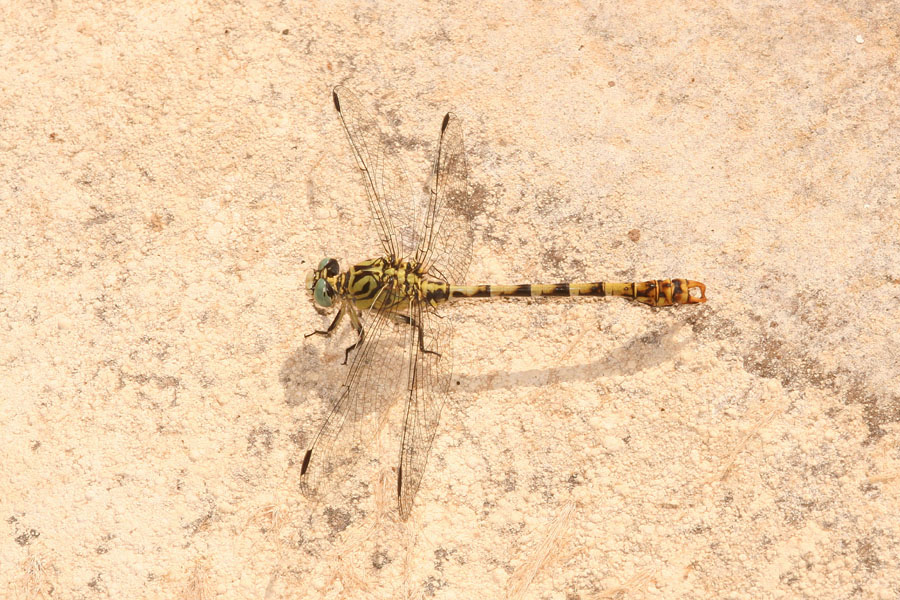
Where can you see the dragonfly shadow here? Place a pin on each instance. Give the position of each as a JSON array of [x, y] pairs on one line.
[[636, 355], [313, 377]]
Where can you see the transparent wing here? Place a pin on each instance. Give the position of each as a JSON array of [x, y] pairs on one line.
[[390, 196], [445, 244], [428, 381], [377, 372]]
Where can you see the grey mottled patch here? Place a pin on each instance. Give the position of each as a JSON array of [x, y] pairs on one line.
[[338, 519]]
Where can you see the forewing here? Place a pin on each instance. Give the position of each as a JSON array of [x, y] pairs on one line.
[[391, 201], [428, 382], [376, 374], [445, 244]]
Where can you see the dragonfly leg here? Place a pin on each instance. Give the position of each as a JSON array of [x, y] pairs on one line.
[[411, 321], [357, 325], [337, 319], [330, 330]]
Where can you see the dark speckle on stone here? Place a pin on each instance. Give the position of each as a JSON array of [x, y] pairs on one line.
[[338, 519], [380, 558], [27, 537]]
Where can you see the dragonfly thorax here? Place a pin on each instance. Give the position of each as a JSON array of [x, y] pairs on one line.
[[375, 283]]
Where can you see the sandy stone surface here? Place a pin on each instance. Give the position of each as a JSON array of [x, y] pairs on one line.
[[170, 170]]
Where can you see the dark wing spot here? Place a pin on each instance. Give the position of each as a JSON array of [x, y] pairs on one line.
[[305, 462]]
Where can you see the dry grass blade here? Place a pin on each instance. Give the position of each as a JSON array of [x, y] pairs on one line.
[[198, 586], [35, 582], [764, 420], [546, 552], [635, 583]]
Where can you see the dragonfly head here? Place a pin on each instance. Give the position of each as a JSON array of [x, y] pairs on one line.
[[320, 282]]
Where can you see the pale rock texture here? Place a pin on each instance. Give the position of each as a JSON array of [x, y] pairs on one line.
[[170, 170]]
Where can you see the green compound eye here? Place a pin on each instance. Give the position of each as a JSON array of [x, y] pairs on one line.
[[322, 293], [330, 266]]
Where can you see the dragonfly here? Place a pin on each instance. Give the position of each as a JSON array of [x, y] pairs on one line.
[[402, 346]]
